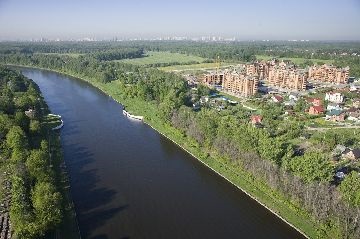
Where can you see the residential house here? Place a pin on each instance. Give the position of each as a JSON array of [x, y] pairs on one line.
[[316, 110], [315, 101], [338, 150], [290, 103], [335, 115], [204, 99], [256, 119], [334, 97], [353, 114], [30, 113], [356, 103], [333, 106], [354, 88], [353, 154], [277, 98], [293, 96]]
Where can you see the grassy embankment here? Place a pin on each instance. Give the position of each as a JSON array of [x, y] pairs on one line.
[[288, 210], [297, 61]]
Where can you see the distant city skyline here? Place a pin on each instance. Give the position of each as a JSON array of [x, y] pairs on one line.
[[243, 20]]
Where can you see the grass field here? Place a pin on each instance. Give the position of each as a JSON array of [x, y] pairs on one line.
[[201, 66], [62, 54], [153, 57], [295, 60]]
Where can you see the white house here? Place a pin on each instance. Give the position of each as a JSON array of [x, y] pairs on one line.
[[334, 97], [333, 106], [354, 88], [293, 96]]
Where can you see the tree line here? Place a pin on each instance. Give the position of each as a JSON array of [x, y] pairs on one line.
[[36, 203]]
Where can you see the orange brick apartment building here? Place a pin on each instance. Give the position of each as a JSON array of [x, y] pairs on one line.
[[287, 77], [240, 84], [329, 73]]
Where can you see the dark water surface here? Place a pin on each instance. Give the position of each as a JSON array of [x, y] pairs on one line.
[[128, 181]]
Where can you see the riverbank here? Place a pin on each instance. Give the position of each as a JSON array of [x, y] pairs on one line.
[[257, 189], [38, 202], [69, 227]]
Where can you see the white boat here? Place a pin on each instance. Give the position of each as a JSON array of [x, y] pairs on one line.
[[132, 116], [59, 126]]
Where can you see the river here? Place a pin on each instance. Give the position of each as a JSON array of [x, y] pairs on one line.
[[128, 181]]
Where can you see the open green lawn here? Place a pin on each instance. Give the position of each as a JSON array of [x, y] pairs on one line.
[[153, 57], [201, 66], [295, 60], [62, 54]]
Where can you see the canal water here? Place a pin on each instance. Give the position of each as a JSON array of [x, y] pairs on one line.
[[128, 181]]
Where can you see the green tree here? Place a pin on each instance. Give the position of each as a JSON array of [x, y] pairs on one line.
[[22, 120], [37, 164], [5, 124], [16, 138], [34, 127], [21, 214], [270, 149], [46, 201], [350, 188], [313, 165], [300, 106]]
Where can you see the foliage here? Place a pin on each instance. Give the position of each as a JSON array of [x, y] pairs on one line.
[[314, 165], [36, 205], [350, 188]]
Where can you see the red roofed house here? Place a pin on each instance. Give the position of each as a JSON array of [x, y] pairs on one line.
[[277, 98], [256, 119], [315, 101], [316, 110]]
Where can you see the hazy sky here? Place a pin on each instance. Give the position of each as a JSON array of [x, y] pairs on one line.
[[251, 19]]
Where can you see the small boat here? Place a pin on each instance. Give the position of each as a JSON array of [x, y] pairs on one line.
[[132, 116]]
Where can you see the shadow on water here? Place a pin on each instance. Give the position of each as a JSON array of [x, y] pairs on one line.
[[89, 198], [106, 237], [97, 218]]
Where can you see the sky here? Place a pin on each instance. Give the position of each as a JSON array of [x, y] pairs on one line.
[[245, 20]]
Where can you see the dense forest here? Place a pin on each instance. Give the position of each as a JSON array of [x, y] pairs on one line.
[[26, 156], [267, 155], [341, 52]]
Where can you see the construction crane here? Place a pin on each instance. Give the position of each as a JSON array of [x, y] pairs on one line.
[[217, 64]]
